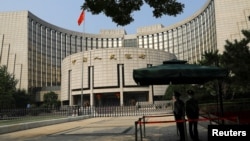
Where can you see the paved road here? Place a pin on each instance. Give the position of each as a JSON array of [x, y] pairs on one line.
[[101, 129]]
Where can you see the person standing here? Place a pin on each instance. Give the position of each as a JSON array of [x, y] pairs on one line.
[[192, 112], [179, 114]]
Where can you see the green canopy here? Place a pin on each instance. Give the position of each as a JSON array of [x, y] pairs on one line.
[[177, 72]]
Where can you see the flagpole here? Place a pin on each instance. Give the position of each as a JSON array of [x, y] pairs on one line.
[[80, 20]]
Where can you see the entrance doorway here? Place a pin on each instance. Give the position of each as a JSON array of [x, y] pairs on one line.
[[107, 99]]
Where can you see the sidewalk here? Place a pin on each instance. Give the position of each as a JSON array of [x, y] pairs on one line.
[[168, 131], [104, 128]]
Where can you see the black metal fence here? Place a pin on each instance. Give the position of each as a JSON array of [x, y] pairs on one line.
[[33, 113], [91, 111]]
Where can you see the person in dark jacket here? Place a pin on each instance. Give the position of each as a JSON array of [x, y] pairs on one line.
[[179, 114], [192, 112]]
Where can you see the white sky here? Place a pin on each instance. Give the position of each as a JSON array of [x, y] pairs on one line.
[[64, 13]]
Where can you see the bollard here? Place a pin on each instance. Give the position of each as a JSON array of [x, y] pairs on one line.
[[136, 130], [72, 109], [140, 129], [78, 110], [144, 128], [185, 129]]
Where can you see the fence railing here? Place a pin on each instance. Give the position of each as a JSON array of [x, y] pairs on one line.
[[91, 111], [33, 113]]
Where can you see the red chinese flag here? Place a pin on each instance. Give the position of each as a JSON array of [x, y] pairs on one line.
[[81, 18]]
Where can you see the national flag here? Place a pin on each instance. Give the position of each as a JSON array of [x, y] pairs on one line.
[[81, 18]]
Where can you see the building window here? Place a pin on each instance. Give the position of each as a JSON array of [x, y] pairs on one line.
[[130, 43], [249, 18]]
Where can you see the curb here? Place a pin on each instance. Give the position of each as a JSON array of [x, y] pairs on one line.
[[24, 126]]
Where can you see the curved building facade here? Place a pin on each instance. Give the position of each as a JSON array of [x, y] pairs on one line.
[[33, 49], [104, 76]]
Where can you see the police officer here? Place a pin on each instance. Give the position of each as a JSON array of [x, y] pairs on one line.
[[179, 114], [192, 112]]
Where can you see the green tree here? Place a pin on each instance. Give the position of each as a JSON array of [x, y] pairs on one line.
[[181, 88], [50, 100], [211, 59], [7, 88], [212, 87], [21, 98], [236, 59], [120, 10]]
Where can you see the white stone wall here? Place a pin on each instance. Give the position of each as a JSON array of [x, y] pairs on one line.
[[106, 63], [231, 17], [14, 36]]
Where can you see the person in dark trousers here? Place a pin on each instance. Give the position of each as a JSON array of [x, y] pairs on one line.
[[179, 114], [192, 112]]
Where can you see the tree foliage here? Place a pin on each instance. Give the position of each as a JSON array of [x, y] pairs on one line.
[[181, 88], [50, 100], [21, 98], [235, 59], [7, 88], [120, 10], [211, 59]]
